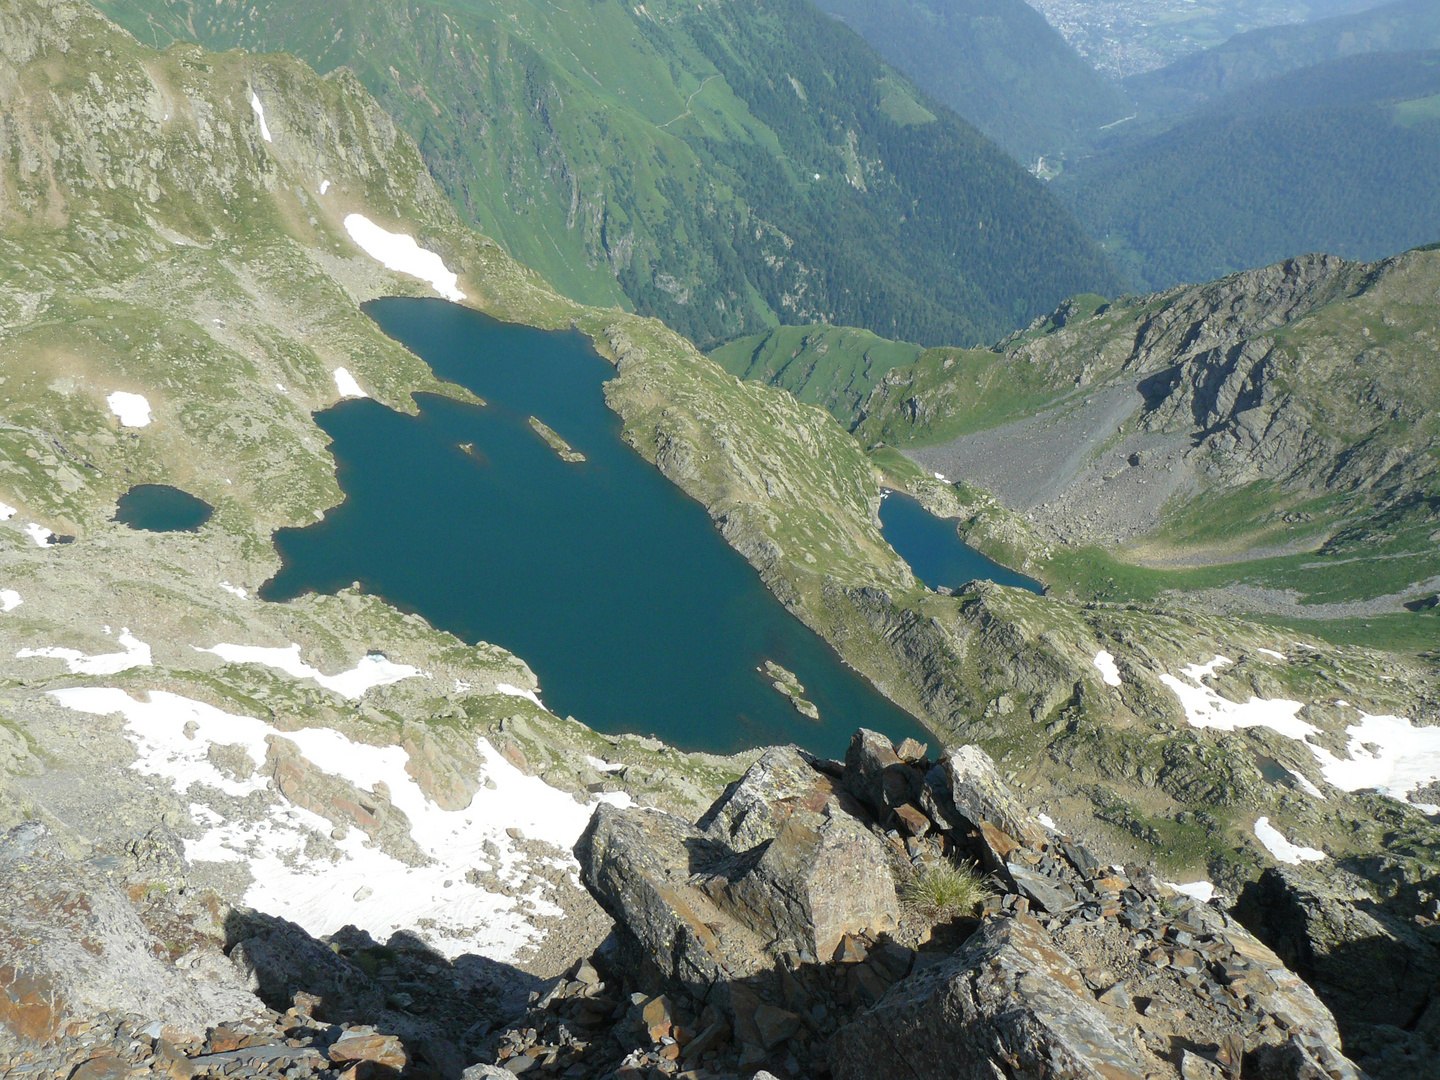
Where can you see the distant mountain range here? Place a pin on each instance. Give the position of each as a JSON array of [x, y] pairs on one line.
[[1399, 26], [1340, 157], [997, 63], [721, 167]]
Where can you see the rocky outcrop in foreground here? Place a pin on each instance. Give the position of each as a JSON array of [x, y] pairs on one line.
[[770, 934], [816, 921]]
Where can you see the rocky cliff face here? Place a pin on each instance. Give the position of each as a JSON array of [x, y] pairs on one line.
[[1074, 969], [1298, 375]]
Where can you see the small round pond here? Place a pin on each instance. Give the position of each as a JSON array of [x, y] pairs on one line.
[[161, 508], [934, 550]]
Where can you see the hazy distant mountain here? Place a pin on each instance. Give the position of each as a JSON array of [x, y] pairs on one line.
[[1403, 25], [1341, 157], [997, 63], [1126, 37], [722, 167]]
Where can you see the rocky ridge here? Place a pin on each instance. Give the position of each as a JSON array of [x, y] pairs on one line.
[[725, 963], [780, 931], [1297, 375]]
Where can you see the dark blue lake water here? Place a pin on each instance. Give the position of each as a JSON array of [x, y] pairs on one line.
[[161, 508], [934, 550], [612, 584]]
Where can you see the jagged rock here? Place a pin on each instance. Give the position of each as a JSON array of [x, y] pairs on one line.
[[775, 1025], [340, 801], [638, 865], [1370, 967], [876, 776], [445, 774], [1195, 1067], [485, 1072], [364, 1044], [74, 947], [1007, 1004], [978, 793], [824, 876], [279, 960], [1044, 893], [753, 809]]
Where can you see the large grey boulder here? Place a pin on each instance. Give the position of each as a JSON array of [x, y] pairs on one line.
[[823, 876], [876, 776], [639, 865], [781, 863], [277, 959], [979, 794], [753, 809], [1007, 1004], [1378, 974]]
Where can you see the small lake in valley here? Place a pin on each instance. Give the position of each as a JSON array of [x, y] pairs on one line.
[[161, 508], [934, 550], [612, 584]]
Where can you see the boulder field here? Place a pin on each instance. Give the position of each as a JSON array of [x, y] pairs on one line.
[[800, 927]]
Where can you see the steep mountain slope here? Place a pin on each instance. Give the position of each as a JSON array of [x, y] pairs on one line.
[[997, 63], [1339, 157], [1262, 54], [174, 227], [719, 167], [1277, 412]]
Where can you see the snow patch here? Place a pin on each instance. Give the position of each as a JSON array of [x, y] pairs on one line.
[[1045, 820], [346, 385], [1405, 756], [324, 186], [604, 766], [515, 691], [360, 884], [260, 115], [7, 511], [400, 252], [133, 410], [1283, 850], [136, 654], [234, 590], [373, 670], [940, 477], [9, 600], [1273, 653], [1204, 708], [42, 536], [1305, 784], [1105, 663], [1201, 890]]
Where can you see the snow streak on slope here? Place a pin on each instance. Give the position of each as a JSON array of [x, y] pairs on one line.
[[372, 670], [400, 252], [301, 873], [136, 654], [1387, 753]]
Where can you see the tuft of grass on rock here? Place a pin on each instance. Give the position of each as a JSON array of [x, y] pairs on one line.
[[945, 890]]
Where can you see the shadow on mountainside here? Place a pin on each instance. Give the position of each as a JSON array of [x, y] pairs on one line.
[[1376, 967], [440, 1009]]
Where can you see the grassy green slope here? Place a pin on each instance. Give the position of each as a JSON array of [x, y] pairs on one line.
[[835, 367], [1340, 158], [997, 63], [667, 156]]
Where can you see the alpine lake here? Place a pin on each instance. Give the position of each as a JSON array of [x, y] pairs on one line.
[[530, 524]]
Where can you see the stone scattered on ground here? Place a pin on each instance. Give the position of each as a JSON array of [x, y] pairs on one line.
[[725, 961], [768, 939]]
